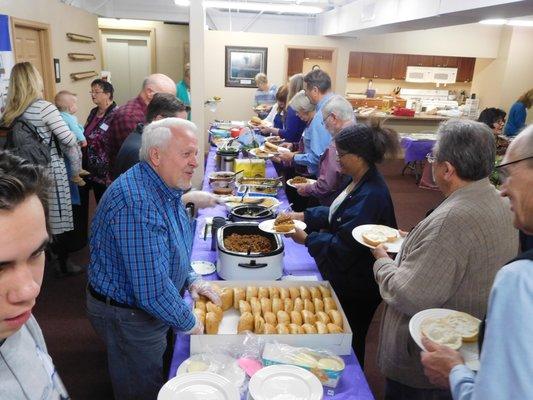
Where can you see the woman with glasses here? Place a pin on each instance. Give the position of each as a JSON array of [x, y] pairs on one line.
[[343, 261], [494, 118]]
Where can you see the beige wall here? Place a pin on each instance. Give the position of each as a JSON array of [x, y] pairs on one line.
[[169, 39], [466, 40], [62, 19]]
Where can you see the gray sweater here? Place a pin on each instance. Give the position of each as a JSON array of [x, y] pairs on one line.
[[448, 260], [26, 369]]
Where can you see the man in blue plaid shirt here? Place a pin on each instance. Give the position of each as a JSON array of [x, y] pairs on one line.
[[140, 248]]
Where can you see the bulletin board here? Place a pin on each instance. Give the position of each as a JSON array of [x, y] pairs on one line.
[[6, 59]]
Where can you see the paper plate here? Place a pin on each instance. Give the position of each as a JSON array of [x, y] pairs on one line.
[[220, 364], [281, 382], [392, 247], [281, 149], [469, 350], [264, 155], [309, 182], [203, 267], [198, 386], [268, 226]]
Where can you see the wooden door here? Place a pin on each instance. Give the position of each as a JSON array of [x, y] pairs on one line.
[[354, 65], [420, 60], [465, 69], [368, 65], [295, 62], [399, 66], [383, 66]]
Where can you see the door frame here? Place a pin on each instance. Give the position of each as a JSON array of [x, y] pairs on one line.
[[45, 43], [334, 56], [150, 31]]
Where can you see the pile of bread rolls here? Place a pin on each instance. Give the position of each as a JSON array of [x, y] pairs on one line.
[[275, 310]]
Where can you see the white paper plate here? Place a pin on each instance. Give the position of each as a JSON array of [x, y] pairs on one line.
[[220, 364], [268, 226], [266, 155], [309, 182], [284, 382], [267, 201], [198, 386], [264, 124], [469, 351], [280, 149], [392, 247], [203, 267]]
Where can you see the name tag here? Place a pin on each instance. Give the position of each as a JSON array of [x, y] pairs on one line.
[[104, 126]]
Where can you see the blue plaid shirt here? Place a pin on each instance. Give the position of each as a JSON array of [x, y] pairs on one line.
[[140, 246], [267, 97]]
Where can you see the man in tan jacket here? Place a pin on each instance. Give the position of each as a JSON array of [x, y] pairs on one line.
[[449, 259]]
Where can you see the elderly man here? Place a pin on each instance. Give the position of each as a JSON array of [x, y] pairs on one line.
[[506, 366], [127, 116], [26, 369], [337, 114], [449, 259], [140, 250]]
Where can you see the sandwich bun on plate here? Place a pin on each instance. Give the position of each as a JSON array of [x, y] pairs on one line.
[[283, 223], [256, 121], [271, 147], [465, 325], [438, 331], [380, 235]]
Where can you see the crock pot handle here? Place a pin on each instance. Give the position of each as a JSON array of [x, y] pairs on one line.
[[252, 264]]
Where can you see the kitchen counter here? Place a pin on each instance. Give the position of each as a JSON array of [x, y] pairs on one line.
[[419, 123], [417, 117]]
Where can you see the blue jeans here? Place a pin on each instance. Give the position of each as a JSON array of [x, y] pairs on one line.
[[398, 391], [136, 343]]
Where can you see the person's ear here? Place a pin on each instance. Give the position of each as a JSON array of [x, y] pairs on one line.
[[449, 171], [155, 156]]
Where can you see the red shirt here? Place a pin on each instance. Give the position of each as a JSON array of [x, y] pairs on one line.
[[124, 122]]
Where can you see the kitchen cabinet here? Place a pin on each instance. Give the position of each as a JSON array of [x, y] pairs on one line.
[[399, 66], [376, 66], [445, 61], [367, 65], [354, 65], [295, 62], [465, 69], [318, 54], [420, 60]]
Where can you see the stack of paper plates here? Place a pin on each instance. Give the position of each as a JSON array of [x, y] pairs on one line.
[[198, 386]]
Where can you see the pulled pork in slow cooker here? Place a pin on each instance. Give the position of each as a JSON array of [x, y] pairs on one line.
[[244, 243]]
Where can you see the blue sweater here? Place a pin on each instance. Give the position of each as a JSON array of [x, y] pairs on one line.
[[516, 119], [294, 127]]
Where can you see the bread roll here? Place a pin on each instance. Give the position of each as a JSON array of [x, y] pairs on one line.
[[211, 323], [465, 325], [308, 328], [319, 304], [288, 305], [335, 317], [246, 323], [238, 295], [309, 306], [294, 293], [329, 304], [284, 293], [324, 290], [282, 329], [283, 317], [304, 293], [200, 304], [276, 305], [273, 292], [323, 317], [295, 329], [212, 307], [244, 306], [315, 292], [308, 317], [321, 327], [270, 318], [333, 328], [256, 305], [296, 317], [270, 329], [226, 296], [200, 314], [259, 324], [262, 292], [251, 291], [216, 288], [298, 304], [266, 305]]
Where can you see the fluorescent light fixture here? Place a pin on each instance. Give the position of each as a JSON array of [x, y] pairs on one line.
[[520, 22], [495, 21], [182, 3], [266, 7]]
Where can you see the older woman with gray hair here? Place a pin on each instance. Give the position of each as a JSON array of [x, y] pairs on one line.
[[449, 259]]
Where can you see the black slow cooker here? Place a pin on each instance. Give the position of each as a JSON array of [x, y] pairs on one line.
[[250, 212]]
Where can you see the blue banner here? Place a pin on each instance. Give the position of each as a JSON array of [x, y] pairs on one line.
[[5, 43]]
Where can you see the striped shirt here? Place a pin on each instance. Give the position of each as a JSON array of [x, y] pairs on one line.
[[267, 96], [47, 120], [140, 246]]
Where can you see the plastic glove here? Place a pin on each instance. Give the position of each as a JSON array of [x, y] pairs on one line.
[[200, 199], [201, 287], [197, 329]]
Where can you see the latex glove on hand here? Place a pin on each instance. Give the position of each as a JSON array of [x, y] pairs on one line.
[[200, 199], [201, 287], [197, 329]]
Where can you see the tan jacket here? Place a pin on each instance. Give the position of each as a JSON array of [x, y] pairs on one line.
[[448, 260]]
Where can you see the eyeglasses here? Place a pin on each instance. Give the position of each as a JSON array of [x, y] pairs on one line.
[[431, 158], [95, 92], [325, 119], [503, 170]]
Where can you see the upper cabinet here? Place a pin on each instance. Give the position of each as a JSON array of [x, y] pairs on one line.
[[445, 61], [295, 62], [465, 69], [399, 66], [317, 54], [354, 65], [373, 65], [420, 61]]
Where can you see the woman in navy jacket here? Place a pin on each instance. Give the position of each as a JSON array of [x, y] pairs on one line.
[[343, 261]]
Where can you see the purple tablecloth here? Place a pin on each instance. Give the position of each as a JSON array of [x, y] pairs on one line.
[[416, 150], [297, 261]]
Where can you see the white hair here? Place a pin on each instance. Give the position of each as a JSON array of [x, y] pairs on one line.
[[300, 103], [158, 133], [340, 107]]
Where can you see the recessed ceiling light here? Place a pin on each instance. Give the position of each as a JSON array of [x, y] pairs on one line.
[[495, 21], [266, 7]]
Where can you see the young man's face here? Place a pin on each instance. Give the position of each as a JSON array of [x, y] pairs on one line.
[[23, 238]]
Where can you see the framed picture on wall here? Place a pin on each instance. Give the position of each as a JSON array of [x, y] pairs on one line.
[[243, 63]]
